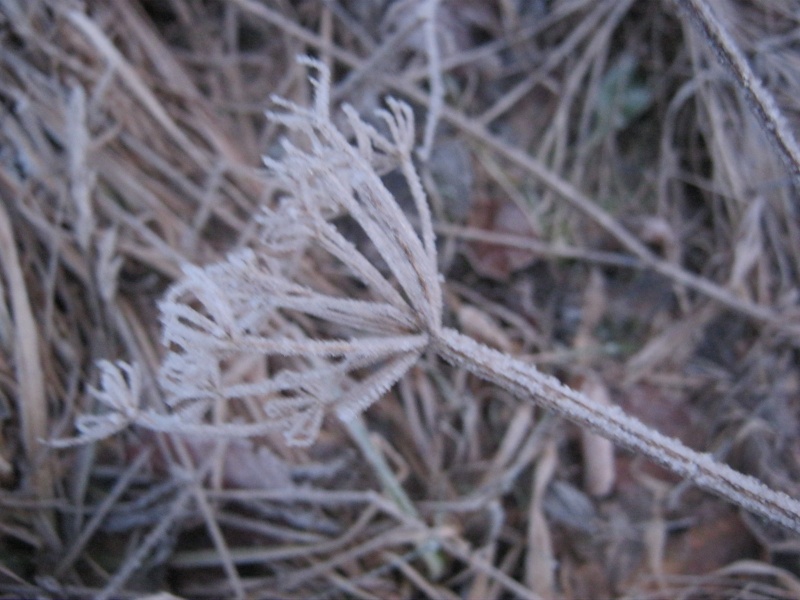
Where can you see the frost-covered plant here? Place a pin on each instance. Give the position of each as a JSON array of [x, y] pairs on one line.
[[265, 341]]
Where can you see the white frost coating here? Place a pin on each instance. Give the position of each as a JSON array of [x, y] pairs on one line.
[[308, 353]]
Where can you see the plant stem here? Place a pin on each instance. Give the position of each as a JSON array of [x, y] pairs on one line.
[[761, 101], [525, 381]]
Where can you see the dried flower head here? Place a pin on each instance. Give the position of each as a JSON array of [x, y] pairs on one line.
[[315, 349]]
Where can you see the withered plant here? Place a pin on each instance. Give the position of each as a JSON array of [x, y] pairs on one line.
[[314, 350]]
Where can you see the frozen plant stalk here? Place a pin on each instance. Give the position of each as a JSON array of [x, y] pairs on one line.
[[304, 350]]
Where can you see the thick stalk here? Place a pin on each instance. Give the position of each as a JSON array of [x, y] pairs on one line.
[[525, 381]]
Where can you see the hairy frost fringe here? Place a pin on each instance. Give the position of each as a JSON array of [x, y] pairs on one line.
[[307, 352]]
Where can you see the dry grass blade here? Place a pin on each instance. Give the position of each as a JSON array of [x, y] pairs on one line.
[[32, 401]]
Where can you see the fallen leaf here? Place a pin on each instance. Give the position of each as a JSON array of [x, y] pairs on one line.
[[498, 261]]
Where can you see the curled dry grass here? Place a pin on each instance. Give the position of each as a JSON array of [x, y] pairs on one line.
[[659, 263]]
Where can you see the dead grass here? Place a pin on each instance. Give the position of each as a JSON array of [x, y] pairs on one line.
[[660, 265]]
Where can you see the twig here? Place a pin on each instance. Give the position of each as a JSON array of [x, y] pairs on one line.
[[761, 101], [525, 381]]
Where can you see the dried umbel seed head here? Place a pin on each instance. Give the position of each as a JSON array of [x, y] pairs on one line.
[[263, 340]]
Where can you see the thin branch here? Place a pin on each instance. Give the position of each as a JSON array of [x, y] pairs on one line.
[[761, 101], [525, 381]]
